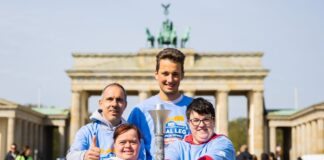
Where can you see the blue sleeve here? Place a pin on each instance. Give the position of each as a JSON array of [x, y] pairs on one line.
[[221, 148], [142, 154], [138, 118], [173, 151], [80, 145], [81, 140]]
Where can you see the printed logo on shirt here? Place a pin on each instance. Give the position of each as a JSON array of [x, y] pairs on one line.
[[107, 151], [176, 118], [105, 154], [175, 130]]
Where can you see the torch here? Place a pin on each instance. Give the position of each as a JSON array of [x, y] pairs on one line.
[[159, 116]]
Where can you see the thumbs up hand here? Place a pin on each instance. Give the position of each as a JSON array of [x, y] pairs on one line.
[[94, 152]]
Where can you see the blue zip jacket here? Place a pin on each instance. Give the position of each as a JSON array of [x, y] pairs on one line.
[[104, 132]]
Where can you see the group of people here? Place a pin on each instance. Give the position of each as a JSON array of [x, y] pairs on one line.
[[14, 154], [244, 154], [277, 155], [189, 128]]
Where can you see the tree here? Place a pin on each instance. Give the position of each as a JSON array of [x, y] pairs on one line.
[[238, 132]]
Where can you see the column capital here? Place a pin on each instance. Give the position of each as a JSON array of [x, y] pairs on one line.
[[222, 91], [144, 94], [190, 93], [272, 126], [255, 90], [189, 90], [76, 90], [83, 92], [144, 90]]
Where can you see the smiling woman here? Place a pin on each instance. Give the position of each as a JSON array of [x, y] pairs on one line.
[[127, 142]]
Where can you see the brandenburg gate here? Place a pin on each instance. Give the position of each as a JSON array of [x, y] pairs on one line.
[[218, 74]]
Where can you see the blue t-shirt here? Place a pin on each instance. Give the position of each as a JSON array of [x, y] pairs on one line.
[[176, 126]]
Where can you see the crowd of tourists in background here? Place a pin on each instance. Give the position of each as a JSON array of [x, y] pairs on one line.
[[244, 154], [14, 154]]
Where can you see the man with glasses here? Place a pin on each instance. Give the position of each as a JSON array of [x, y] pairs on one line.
[[203, 143]]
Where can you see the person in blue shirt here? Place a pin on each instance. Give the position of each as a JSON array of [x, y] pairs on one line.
[[169, 72], [95, 140], [203, 143]]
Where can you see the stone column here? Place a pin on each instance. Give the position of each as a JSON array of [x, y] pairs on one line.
[[313, 138], [298, 136], [256, 122], [34, 136], [23, 136], [41, 139], [320, 136], [266, 138], [27, 133], [36, 142], [84, 107], [189, 93], [75, 115], [221, 112], [19, 132], [144, 94], [303, 139], [293, 142], [62, 140], [31, 135], [308, 136], [11, 131], [273, 139]]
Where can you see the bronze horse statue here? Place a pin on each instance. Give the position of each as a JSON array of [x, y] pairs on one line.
[[185, 38], [150, 38], [167, 35]]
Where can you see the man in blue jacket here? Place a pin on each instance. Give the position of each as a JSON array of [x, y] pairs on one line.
[[95, 140]]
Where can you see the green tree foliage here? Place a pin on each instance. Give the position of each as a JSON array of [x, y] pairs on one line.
[[238, 132], [279, 137]]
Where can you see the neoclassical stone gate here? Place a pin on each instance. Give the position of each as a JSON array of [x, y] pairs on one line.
[[216, 74]]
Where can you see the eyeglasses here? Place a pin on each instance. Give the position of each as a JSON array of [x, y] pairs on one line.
[[206, 121]]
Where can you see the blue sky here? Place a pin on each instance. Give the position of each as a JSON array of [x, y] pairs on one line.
[[38, 37]]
